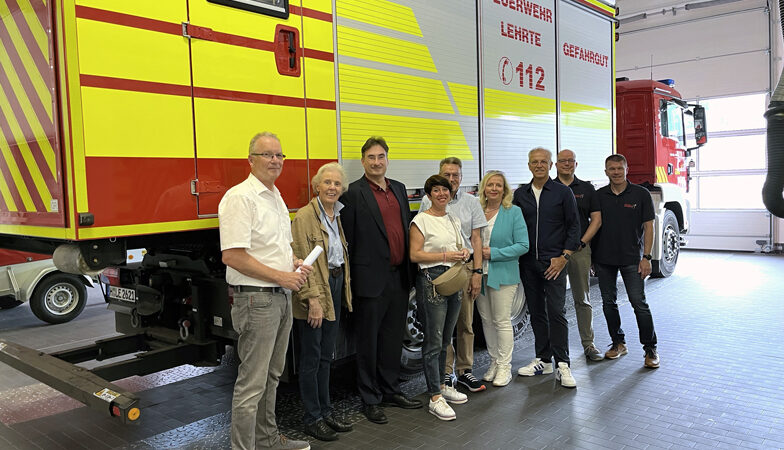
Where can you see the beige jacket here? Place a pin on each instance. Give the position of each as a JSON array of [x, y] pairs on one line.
[[308, 231]]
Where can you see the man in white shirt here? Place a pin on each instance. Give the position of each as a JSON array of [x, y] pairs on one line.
[[255, 233]]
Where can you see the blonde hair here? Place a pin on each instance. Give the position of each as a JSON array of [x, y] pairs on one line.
[[334, 167], [506, 198]]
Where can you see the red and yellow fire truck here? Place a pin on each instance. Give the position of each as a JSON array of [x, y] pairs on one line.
[[123, 123]]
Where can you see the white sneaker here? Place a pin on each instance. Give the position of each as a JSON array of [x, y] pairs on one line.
[[564, 375], [441, 409], [536, 367], [503, 375], [452, 395], [490, 374]]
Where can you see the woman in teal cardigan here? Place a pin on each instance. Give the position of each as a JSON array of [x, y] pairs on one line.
[[505, 240]]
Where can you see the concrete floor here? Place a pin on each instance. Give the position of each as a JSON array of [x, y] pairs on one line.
[[719, 322]]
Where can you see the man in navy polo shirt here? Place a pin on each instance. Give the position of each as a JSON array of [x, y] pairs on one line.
[[550, 213], [624, 246]]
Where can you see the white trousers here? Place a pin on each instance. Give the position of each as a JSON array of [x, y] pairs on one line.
[[495, 308]]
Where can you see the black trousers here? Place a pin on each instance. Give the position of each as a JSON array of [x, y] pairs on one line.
[[379, 324], [546, 301]]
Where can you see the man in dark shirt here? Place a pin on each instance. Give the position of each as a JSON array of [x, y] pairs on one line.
[[550, 213], [579, 266], [625, 243], [375, 219]]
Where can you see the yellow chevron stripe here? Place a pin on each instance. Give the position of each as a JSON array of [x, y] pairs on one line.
[[27, 61], [38, 31], [146, 228], [585, 116], [411, 138], [365, 86], [17, 177], [27, 155], [6, 192], [466, 98], [519, 107], [384, 49], [381, 13]]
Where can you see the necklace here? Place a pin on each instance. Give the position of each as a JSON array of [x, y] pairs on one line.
[[433, 213]]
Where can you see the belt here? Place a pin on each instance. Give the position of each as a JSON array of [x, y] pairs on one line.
[[336, 272], [271, 289]]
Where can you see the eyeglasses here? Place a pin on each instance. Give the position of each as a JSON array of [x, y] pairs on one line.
[[538, 163], [563, 161], [267, 155]]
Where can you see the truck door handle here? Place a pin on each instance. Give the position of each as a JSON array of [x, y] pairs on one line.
[[286, 50], [292, 50], [669, 168]]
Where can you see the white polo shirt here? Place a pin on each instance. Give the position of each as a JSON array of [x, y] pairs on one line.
[[255, 218]]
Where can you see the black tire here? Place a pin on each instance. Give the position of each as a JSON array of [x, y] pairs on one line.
[[520, 319], [411, 359], [670, 247], [8, 302], [59, 298]]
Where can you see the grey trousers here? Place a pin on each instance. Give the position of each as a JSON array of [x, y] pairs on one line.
[[263, 321], [578, 269]]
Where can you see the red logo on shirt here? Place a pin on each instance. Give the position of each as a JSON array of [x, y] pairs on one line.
[[630, 205]]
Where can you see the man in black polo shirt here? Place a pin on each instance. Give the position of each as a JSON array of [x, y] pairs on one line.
[[550, 213], [624, 245], [579, 265]]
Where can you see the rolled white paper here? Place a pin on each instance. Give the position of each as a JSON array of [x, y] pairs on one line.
[[311, 258]]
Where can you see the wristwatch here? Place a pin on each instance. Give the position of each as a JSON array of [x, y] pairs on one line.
[[582, 244], [566, 256], [479, 271], [648, 257]]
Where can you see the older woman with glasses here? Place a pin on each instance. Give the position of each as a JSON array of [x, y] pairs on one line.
[[505, 240], [316, 307]]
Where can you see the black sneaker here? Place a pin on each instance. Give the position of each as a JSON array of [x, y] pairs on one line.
[[468, 380], [448, 380]]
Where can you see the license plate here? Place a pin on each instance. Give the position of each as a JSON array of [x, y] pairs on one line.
[[123, 294]]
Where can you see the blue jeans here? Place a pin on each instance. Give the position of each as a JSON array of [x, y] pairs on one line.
[[438, 315], [317, 350], [635, 289]]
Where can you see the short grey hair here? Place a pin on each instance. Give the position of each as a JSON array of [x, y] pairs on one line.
[[258, 136], [333, 167], [451, 160], [541, 149]]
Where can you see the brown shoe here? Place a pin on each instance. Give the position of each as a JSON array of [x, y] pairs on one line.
[[616, 350], [652, 359]]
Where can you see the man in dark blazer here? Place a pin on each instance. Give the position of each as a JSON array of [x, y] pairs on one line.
[[375, 219]]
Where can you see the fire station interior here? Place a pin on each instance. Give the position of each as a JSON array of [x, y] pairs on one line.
[[718, 315]]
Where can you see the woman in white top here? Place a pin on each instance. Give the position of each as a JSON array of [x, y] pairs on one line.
[[436, 245], [505, 240]]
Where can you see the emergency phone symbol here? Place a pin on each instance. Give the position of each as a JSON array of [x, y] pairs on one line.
[[505, 70]]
